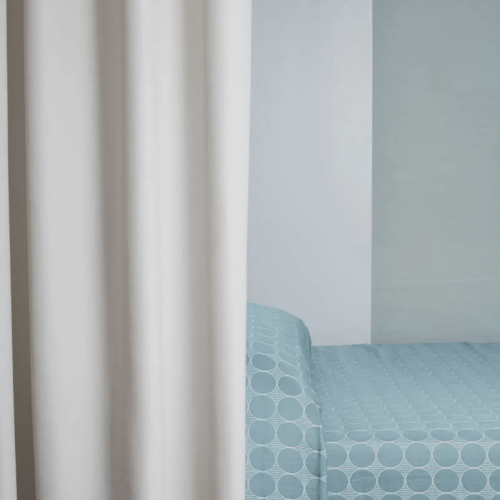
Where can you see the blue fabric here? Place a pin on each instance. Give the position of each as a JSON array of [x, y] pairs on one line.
[[412, 421], [285, 450], [397, 422]]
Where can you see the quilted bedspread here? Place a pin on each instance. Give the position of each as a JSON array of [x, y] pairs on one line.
[[369, 422]]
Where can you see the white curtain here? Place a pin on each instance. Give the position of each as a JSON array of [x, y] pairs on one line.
[[137, 136]]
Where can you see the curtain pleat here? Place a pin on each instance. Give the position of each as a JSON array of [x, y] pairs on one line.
[[7, 440], [137, 138]]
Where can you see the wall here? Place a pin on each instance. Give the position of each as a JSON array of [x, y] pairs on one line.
[[310, 156], [436, 170]]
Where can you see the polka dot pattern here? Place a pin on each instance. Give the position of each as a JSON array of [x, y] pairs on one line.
[[368, 422], [410, 422], [285, 447]]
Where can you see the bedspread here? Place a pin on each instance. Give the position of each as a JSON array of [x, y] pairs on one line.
[[369, 422]]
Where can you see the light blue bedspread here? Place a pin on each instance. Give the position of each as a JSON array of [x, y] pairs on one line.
[[369, 422]]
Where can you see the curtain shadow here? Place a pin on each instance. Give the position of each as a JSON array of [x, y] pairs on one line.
[[200, 327], [111, 46], [20, 283]]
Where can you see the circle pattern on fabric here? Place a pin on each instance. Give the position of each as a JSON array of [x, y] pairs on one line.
[[332, 436], [313, 438], [262, 407], [493, 434], [336, 481], [391, 480], [312, 488], [390, 455], [263, 383], [415, 435], [446, 480], [360, 436], [418, 455], [361, 455], [363, 480], [387, 435], [262, 458], [312, 414], [290, 409], [473, 455], [290, 460], [263, 362], [494, 454], [287, 357], [310, 394], [470, 434], [263, 348], [290, 486], [445, 455], [288, 369], [418, 480], [474, 480], [262, 432], [290, 434], [336, 455], [442, 434], [313, 463], [262, 484], [289, 386], [495, 480]]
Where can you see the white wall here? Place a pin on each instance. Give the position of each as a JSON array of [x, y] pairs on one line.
[[310, 164]]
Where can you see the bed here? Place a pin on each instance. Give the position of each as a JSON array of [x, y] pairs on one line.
[[368, 422]]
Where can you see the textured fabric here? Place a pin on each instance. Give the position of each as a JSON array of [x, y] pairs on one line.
[[285, 451], [410, 419], [398, 422], [136, 144]]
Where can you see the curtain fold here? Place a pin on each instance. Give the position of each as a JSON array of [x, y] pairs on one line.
[[137, 125], [7, 440]]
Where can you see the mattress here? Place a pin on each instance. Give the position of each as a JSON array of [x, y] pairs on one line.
[[369, 422]]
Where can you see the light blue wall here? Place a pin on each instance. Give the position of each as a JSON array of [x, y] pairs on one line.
[[436, 170]]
